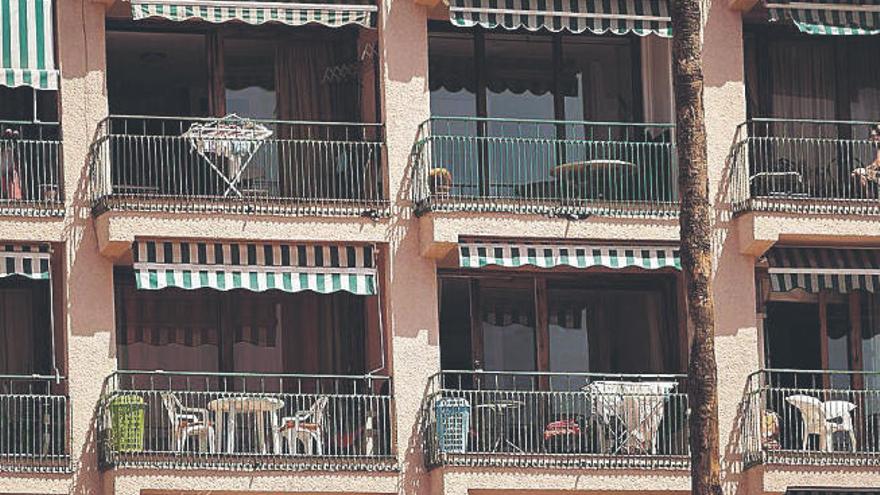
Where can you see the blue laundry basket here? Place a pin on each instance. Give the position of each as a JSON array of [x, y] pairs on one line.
[[453, 424]]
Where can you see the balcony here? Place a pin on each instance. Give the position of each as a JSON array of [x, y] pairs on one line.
[[34, 434], [238, 166], [556, 168], [805, 166], [812, 418], [245, 421], [556, 420], [30, 169]]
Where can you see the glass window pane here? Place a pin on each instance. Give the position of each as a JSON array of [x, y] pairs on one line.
[[452, 81], [519, 72], [596, 79], [838, 342], [569, 337], [455, 324], [452, 78], [508, 320], [249, 67], [21, 104], [610, 331], [871, 349]]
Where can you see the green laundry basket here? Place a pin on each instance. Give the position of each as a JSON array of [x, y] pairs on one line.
[[127, 420]]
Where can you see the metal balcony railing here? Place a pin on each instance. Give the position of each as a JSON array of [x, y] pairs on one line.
[[812, 417], [804, 166], [246, 421], [557, 168], [30, 169], [234, 165], [34, 429], [556, 420]]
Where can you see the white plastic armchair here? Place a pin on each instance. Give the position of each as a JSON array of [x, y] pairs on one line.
[[188, 422], [824, 419], [306, 427]]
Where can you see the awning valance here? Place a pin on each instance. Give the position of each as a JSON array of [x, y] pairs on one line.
[[830, 17], [322, 268], [641, 17], [478, 255], [31, 261], [816, 269], [27, 44], [258, 12]]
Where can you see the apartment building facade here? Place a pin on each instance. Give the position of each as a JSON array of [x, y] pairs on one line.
[[413, 246]]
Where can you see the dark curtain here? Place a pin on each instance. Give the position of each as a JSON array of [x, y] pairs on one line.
[[309, 168], [16, 332]]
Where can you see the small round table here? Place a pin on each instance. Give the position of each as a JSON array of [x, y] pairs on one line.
[[499, 411], [257, 406], [582, 178]]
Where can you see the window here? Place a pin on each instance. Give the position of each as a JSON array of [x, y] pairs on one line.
[[600, 323], [249, 73], [26, 104], [827, 331], [534, 76], [241, 331], [25, 329], [795, 76]]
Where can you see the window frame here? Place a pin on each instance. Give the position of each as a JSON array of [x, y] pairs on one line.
[[668, 283], [478, 35], [216, 79]]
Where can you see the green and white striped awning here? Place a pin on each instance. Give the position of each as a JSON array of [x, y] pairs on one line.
[[478, 255], [258, 267], [258, 12], [31, 261], [27, 44], [817, 269], [642, 17], [830, 17]]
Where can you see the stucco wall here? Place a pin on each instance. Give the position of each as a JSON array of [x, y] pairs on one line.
[[410, 284]]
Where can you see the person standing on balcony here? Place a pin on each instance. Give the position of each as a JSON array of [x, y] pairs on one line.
[[10, 176], [871, 173]]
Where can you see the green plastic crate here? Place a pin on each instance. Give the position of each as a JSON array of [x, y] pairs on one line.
[[127, 418]]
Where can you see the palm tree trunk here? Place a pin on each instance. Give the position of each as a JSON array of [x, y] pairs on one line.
[[696, 244]]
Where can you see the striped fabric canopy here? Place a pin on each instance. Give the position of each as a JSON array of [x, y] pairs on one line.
[[478, 255], [27, 44], [257, 12], [830, 17], [817, 269], [193, 337], [642, 17], [29, 261], [254, 266]]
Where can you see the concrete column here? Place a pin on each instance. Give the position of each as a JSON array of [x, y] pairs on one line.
[[736, 326], [88, 291], [412, 288]]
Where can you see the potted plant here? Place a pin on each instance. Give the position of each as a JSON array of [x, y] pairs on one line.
[[440, 181]]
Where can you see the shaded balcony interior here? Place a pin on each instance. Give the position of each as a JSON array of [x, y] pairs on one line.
[[547, 123], [816, 400], [249, 380], [33, 396], [30, 152], [581, 370], [812, 104], [239, 118]]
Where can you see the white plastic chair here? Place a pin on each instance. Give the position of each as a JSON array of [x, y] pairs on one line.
[[306, 427], [824, 419], [188, 422]]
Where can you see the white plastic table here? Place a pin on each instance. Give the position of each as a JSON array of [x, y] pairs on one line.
[[256, 406]]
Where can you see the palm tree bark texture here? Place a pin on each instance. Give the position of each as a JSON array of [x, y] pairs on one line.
[[696, 244]]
